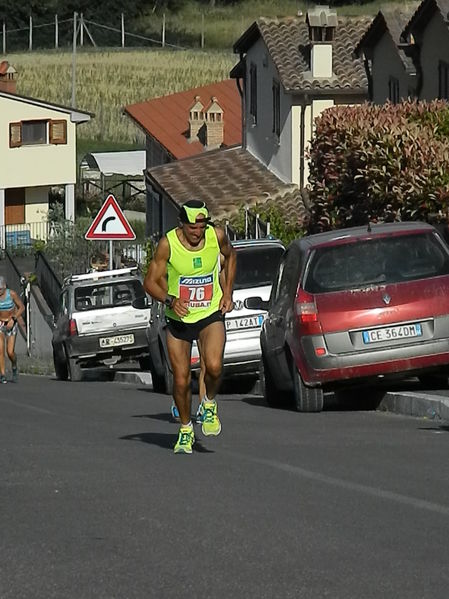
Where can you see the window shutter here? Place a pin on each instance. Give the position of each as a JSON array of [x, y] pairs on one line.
[[58, 132], [15, 135]]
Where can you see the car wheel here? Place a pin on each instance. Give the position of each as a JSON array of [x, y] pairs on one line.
[[271, 393], [60, 363], [306, 399], [75, 370]]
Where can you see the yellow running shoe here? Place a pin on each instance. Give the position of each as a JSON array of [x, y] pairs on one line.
[[186, 439], [210, 423]]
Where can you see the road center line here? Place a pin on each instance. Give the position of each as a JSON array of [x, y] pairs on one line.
[[344, 484]]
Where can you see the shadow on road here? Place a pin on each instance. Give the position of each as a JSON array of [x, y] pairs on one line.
[[164, 440], [163, 416]]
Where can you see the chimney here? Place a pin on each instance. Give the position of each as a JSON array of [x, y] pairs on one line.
[[196, 118], [8, 78], [214, 125], [322, 22]]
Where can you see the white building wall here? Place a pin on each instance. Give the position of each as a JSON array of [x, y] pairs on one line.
[[274, 153], [34, 165], [434, 47], [36, 204], [387, 63]]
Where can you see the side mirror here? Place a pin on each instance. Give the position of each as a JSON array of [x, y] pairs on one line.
[[256, 303], [140, 303]]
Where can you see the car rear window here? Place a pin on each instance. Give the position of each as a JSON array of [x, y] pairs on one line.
[[107, 295], [256, 267], [377, 261]]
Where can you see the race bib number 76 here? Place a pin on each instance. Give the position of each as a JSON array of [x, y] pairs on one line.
[[197, 290]]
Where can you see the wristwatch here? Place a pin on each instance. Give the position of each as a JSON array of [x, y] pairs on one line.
[[168, 301]]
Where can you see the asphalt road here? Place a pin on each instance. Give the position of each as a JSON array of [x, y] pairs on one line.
[[94, 504]]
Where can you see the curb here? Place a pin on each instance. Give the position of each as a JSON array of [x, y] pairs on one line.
[[418, 405], [135, 378]]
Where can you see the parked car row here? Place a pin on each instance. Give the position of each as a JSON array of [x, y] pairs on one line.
[[336, 309]]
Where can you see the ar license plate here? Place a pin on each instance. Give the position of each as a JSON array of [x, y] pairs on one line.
[[245, 322], [117, 340], [391, 333]]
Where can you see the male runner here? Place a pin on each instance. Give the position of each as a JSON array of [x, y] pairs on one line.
[[189, 256]]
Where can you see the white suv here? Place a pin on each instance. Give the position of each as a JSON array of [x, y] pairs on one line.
[[97, 323]]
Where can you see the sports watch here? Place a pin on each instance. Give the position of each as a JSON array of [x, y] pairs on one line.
[[169, 300]]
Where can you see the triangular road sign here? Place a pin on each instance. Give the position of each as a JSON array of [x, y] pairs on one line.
[[110, 223]]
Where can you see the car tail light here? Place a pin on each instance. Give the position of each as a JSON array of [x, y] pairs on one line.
[[307, 314], [194, 360], [72, 327]]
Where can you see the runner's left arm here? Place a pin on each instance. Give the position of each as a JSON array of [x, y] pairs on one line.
[[229, 268], [20, 308]]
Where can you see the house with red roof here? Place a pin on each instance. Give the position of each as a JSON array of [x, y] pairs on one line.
[[189, 123]]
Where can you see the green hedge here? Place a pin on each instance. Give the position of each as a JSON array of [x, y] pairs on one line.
[[379, 163]]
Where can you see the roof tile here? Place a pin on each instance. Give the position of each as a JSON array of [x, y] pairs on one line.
[[226, 180], [288, 43], [166, 118]]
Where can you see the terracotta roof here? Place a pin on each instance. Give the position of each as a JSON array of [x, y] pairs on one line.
[[425, 10], [289, 46], [166, 118], [227, 180]]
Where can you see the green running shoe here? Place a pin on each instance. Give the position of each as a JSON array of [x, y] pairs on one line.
[[186, 439], [210, 423]]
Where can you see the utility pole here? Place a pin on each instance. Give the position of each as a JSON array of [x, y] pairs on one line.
[[56, 32], [4, 37], [75, 24], [30, 40]]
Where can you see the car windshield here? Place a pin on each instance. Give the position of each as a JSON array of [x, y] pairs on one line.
[[377, 261], [107, 295], [256, 267]]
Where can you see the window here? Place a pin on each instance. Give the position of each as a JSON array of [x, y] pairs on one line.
[[385, 260], [276, 93], [393, 90], [253, 92], [107, 295], [443, 80], [38, 132], [34, 132], [256, 267]]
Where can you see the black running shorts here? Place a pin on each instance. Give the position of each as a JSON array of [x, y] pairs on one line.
[[189, 331]]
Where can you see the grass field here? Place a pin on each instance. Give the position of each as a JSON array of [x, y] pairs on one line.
[[108, 80], [223, 25]]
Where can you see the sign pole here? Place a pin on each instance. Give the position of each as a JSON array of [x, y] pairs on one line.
[[111, 263]]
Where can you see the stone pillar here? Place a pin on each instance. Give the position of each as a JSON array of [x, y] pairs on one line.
[[70, 202], [2, 219]]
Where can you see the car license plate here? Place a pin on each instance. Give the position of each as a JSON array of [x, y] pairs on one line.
[[117, 340], [245, 322], [391, 333]]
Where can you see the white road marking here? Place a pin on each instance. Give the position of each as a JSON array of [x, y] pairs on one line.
[[349, 485]]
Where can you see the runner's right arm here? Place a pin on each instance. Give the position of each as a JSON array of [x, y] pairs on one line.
[[157, 272]]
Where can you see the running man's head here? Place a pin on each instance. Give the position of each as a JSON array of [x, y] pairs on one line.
[[194, 218]]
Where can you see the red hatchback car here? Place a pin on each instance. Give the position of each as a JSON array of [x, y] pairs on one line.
[[352, 305]]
